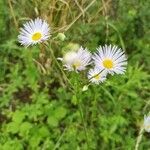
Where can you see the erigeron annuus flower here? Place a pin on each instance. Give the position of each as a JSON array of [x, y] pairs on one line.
[[96, 75], [110, 58], [33, 32], [76, 60], [147, 123]]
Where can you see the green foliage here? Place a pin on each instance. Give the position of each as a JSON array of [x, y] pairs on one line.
[[38, 108]]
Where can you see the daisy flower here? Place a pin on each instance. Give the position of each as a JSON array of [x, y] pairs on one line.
[[147, 123], [110, 58], [76, 60], [96, 75], [33, 32]]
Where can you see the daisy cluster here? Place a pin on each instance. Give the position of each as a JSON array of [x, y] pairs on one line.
[[106, 60]]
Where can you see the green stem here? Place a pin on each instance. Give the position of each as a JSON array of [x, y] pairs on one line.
[[139, 138], [60, 138], [74, 90], [78, 94], [58, 65], [109, 95], [83, 121]]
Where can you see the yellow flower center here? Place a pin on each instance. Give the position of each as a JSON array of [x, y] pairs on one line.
[[147, 126], [36, 36], [108, 63], [76, 64], [97, 77]]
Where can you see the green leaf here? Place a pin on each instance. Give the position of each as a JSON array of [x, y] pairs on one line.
[[74, 100], [60, 112], [52, 121], [12, 145], [43, 132], [25, 128], [12, 127], [34, 141], [18, 116]]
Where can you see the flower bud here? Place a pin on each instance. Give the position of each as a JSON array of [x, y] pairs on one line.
[[61, 36], [85, 88]]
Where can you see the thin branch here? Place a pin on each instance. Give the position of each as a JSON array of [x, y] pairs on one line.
[[68, 27], [65, 28], [12, 13]]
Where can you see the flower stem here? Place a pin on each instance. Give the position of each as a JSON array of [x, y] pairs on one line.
[[139, 138], [74, 90], [58, 65], [84, 124], [77, 94]]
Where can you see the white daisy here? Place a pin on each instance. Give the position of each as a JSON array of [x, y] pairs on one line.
[[147, 123], [33, 32], [96, 75], [110, 58], [76, 60]]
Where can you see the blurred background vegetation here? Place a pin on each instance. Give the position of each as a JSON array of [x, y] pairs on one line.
[[37, 108]]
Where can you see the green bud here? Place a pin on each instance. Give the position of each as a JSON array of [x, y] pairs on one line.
[[61, 36], [85, 88], [70, 47]]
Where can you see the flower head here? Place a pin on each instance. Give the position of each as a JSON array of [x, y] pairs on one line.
[[110, 58], [77, 60], [96, 75], [33, 32], [147, 123]]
